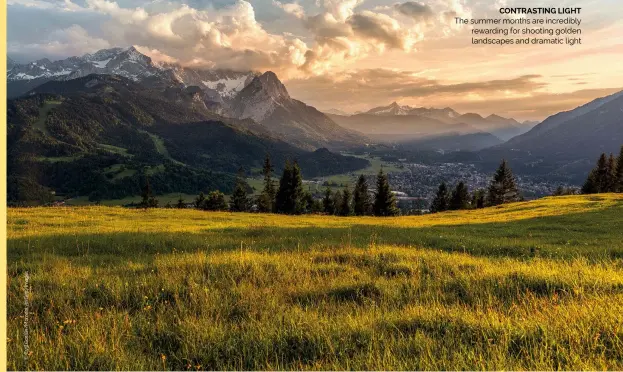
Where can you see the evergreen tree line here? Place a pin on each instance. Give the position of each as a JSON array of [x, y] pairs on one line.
[[607, 176], [287, 196], [502, 189]]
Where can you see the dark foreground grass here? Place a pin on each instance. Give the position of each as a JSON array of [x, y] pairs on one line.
[[496, 289]]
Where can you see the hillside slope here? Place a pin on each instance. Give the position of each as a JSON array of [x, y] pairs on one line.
[[564, 146], [104, 134]]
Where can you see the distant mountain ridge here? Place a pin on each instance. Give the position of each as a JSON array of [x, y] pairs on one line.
[[503, 128], [588, 129], [568, 143]]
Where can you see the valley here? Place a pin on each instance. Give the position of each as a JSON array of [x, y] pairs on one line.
[[96, 126]]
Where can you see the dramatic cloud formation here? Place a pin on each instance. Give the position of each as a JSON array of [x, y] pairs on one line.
[[522, 97], [379, 85], [232, 37], [328, 52]]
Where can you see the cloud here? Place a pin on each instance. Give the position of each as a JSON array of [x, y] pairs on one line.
[[415, 10], [522, 97], [382, 29], [291, 8], [521, 84], [362, 89], [336, 34], [340, 10], [73, 40]]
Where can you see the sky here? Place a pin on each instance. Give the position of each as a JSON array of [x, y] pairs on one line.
[[349, 55]]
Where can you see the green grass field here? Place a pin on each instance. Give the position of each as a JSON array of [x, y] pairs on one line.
[[531, 285]]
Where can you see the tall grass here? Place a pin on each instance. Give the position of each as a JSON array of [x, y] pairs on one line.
[[535, 285]]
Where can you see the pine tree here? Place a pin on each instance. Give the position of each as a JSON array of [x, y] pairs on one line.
[[619, 173], [308, 200], [266, 201], [602, 174], [384, 199], [503, 187], [361, 197], [317, 206], [337, 202], [146, 194], [289, 198], [441, 200], [591, 185], [298, 193], [611, 174], [479, 199], [346, 207], [239, 199], [180, 203], [152, 202], [327, 202], [283, 192], [215, 201], [200, 201], [460, 197]]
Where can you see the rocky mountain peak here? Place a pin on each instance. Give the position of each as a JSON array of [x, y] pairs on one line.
[[270, 83]]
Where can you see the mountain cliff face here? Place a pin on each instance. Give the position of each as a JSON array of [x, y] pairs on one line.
[[445, 114], [266, 101]]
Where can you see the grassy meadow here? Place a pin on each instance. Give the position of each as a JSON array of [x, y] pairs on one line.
[[530, 285]]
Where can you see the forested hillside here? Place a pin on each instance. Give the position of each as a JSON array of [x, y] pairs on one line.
[[102, 135]]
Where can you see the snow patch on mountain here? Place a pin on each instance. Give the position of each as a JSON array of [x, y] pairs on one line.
[[101, 64], [221, 85], [227, 87]]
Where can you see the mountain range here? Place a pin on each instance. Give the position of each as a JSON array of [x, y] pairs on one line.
[[401, 123], [100, 123], [242, 95]]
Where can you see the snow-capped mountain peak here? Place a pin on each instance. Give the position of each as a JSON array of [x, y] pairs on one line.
[[223, 85], [395, 109]]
